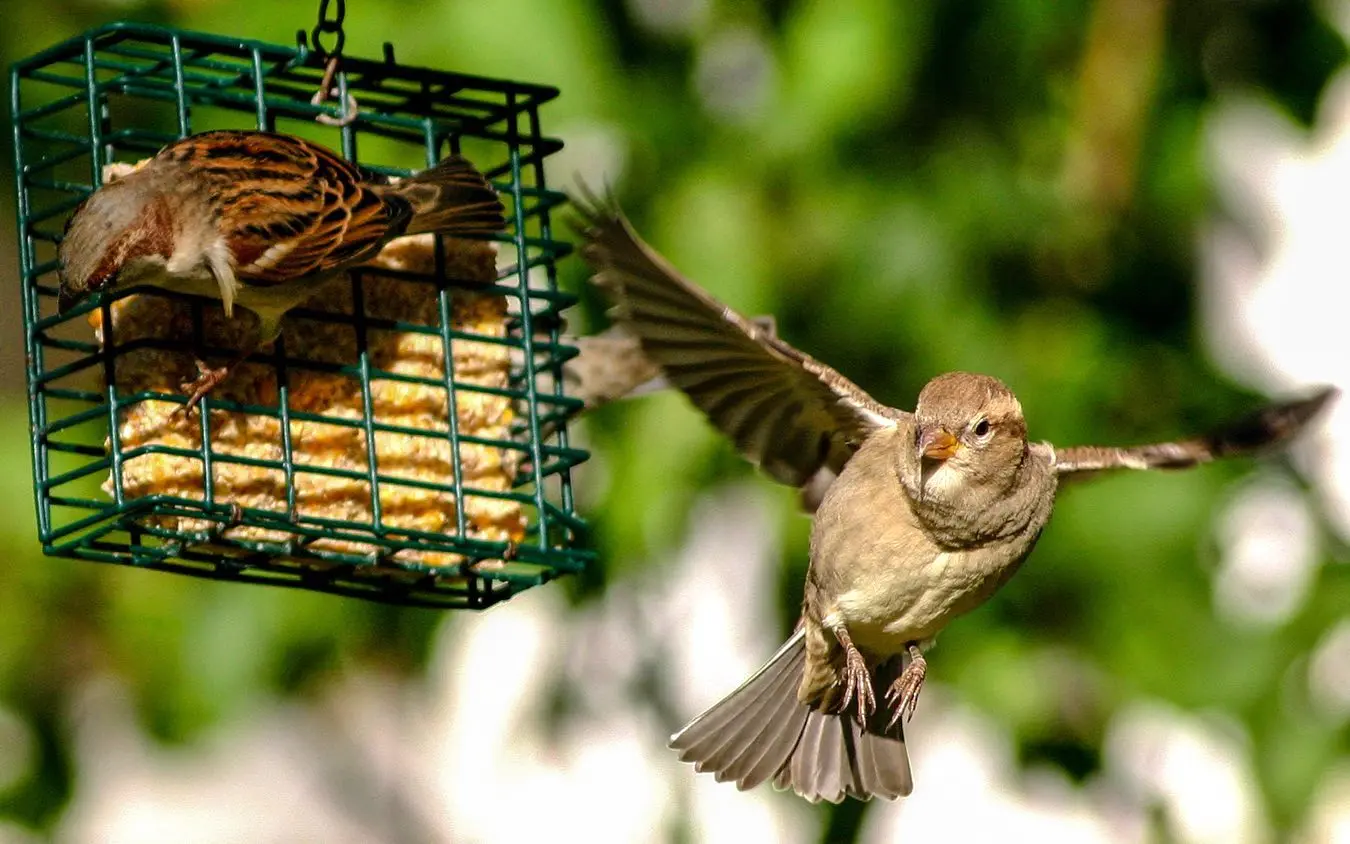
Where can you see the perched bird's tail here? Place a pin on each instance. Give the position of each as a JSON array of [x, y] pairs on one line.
[[451, 198], [761, 731]]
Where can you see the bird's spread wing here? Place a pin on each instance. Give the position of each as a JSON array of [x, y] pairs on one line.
[[609, 366], [1267, 427], [290, 208], [784, 410]]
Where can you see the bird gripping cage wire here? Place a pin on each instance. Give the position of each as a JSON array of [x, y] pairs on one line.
[[394, 443]]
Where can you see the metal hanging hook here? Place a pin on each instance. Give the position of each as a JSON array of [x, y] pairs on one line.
[[334, 56], [333, 25], [327, 89]]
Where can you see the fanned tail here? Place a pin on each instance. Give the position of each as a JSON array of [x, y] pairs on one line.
[[762, 731], [452, 198]]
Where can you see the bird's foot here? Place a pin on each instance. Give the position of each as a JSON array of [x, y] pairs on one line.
[[857, 682], [207, 380], [233, 520], [903, 695]]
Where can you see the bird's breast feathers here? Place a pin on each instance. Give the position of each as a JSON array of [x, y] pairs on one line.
[[914, 599], [203, 264], [887, 577]]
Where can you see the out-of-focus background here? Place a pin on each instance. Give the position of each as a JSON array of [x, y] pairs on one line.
[[1134, 212]]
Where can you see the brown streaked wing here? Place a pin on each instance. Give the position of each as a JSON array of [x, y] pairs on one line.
[[784, 410], [293, 208], [1265, 428]]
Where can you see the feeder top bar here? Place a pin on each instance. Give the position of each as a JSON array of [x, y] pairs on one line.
[[118, 31]]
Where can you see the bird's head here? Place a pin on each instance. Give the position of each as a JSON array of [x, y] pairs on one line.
[[117, 236], [969, 432]]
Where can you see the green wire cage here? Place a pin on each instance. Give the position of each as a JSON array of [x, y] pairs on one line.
[[358, 466]]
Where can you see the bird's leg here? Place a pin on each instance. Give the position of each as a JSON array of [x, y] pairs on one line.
[[903, 696], [857, 680], [235, 518], [208, 379]]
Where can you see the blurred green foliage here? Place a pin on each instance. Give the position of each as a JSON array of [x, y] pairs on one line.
[[914, 187]]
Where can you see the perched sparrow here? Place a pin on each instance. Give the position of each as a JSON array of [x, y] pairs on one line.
[[257, 219], [930, 514]]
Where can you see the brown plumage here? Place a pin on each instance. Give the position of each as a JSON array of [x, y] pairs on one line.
[[787, 412], [611, 365], [258, 219], [922, 516], [1266, 427]]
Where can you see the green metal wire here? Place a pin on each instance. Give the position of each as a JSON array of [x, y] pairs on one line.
[[126, 90]]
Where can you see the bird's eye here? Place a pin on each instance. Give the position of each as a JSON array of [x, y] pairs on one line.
[[981, 428]]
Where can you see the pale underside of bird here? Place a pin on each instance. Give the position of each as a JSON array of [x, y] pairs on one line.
[[922, 516], [257, 219]]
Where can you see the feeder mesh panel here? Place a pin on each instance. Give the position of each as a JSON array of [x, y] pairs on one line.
[[403, 440]]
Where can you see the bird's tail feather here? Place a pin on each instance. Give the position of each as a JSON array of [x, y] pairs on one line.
[[451, 198], [762, 731], [837, 757]]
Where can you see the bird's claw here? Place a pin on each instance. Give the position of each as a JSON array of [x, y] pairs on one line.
[[207, 380], [903, 695], [857, 682]]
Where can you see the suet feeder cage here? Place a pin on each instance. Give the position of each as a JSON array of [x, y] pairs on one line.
[[403, 440]]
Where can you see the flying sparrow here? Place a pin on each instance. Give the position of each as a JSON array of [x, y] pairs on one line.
[[930, 513], [257, 219]]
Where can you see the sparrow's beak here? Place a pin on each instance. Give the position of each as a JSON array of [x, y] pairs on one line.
[[66, 300], [937, 444]]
